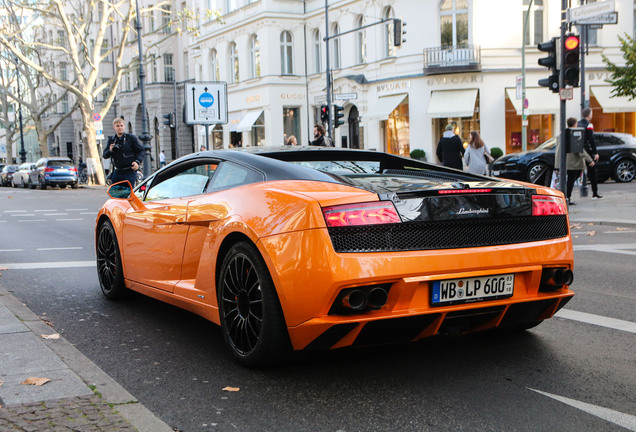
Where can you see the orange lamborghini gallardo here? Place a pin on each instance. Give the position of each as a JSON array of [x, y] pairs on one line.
[[320, 248]]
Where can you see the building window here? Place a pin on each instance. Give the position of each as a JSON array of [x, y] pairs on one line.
[[165, 19], [389, 49], [286, 57], [258, 131], [61, 38], [168, 69], [214, 66], [361, 42], [317, 51], [255, 56], [534, 29], [234, 63], [291, 123], [105, 89], [232, 5], [155, 73], [65, 103], [63, 71], [151, 19], [335, 47], [453, 19]]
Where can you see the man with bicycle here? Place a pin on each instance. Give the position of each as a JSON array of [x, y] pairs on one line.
[[126, 152]]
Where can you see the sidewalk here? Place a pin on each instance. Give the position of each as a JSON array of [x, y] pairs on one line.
[[79, 395]]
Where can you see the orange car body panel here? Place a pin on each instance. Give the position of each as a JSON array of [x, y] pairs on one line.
[[170, 252]]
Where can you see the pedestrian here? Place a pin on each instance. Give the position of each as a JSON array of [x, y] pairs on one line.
[[126, 152], [590, 147], [292, 140], [162, 159], [574, 163], [477, 155], [320, 138], [450, 149], [202, 148]]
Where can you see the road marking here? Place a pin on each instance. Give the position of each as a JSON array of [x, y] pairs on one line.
[[627, 421], [611, 248], [75, 209], [61, 248], [598, 320], [15, 211], [45, 265], [63, 220], [55, 214], [44, 211], [33, 220], [89, 213], [11, 250], [22, 214]]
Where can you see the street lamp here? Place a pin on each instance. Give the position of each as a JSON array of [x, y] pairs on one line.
[[145, 136], [22, 150]]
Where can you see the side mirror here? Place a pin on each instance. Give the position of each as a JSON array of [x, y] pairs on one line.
[[122, 190]]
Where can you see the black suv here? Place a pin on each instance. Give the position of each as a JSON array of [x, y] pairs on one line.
[[54, 171], [617, 152]]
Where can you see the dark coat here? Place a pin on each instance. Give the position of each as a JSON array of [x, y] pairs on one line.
[[130, 151], [450, 152], [590, 145]]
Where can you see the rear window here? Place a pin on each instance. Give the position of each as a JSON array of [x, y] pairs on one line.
[[56, 163], [343, 167]]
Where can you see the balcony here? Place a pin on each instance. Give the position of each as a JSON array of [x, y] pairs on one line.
[[445, 60]]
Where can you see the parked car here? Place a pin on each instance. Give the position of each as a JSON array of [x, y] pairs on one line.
[[6, 174], [54, 171], [21, 176], [617, 152], [319, 248]]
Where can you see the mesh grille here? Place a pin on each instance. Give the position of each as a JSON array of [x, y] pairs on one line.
[[450, 234]]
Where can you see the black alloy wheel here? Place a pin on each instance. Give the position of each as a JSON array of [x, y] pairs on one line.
[[251, 317], [109, 268], [42, 184], [624, 171], [31, 185]]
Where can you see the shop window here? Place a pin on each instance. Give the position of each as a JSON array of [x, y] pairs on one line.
[[291, 123], [258, 132], [397, 130]]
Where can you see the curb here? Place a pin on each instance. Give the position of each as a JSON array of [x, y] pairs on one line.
[[111, 392]]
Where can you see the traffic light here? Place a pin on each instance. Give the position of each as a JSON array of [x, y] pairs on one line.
[[337, 115], [324, 113], [398, 32], [551, 62], [169, 120], [571, 60]]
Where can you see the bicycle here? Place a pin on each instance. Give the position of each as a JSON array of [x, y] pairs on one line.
[[83, 176]]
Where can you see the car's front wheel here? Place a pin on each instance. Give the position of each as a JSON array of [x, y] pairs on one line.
[[537, 173], [251, 317], [624, 171], [109, 268]]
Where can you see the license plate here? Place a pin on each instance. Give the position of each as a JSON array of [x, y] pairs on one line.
[[62, 170], [496, 173], [466, 290]]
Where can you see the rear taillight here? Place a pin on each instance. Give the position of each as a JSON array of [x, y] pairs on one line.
[[548, 205], [48, 169], [74, 169], [372, 213]]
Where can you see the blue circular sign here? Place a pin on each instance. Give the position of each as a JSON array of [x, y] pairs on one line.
[[206, 100]]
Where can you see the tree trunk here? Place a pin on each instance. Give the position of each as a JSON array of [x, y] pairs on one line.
[[90, 144]]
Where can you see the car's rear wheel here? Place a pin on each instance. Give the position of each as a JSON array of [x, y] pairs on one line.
[[74, 185], [31, 185], [109, 268], [624, 171], [251, 317], [537, 173], [42, 184]]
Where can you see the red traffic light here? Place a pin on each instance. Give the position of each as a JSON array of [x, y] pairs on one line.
[[571, 42]]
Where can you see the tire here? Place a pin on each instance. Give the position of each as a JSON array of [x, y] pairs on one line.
[[109, 269], [13, 184], [31, 185], [624, 171], [75, 185], [42, 184], [252, 320], [537, 173]]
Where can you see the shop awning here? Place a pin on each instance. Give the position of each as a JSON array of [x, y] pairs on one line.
[[612, 104], [248, 121], [540, 101], [452, 103], [383, 107]]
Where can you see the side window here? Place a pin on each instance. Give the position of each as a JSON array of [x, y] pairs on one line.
[[191, 180], [602, 140], [231, 175]]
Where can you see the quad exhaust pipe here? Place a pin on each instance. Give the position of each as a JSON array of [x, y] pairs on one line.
[[553, 278]]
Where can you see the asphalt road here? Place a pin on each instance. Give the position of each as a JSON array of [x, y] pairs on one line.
[[176, 365]]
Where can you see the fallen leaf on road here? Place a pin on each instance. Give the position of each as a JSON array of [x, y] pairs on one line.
[[622, 229], [590, 223], [1, 382], [591, 233], [3, 268], [232, 389], [35, 381], [575, 226], [51, 336]]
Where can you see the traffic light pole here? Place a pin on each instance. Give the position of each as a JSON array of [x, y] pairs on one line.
[[328, 66], [563, 152]]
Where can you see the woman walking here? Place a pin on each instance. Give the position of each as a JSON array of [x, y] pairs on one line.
[[476, 155]]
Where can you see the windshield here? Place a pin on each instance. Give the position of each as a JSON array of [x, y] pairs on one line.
[[549, 144]]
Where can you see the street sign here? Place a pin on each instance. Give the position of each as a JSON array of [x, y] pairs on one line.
[[525, 103], [591, 10], [206, 103], [566, 93], [345, 96], [97, 117], [606, 18], [320, 98]]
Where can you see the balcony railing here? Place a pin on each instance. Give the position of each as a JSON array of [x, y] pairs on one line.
[[452, 59]]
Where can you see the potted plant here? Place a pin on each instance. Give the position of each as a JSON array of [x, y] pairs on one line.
[[418, 154]]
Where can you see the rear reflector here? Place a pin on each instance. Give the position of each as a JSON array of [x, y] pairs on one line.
[[372, 213], [548, 205]]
